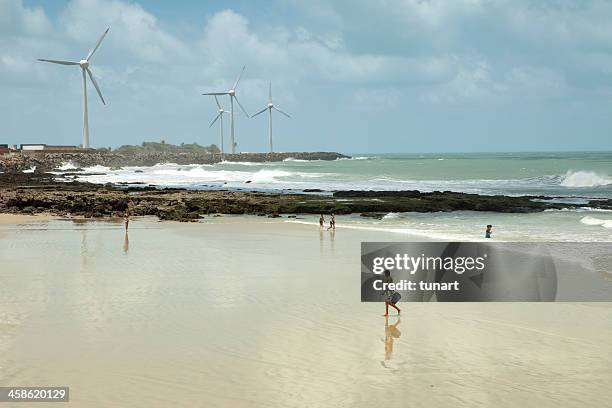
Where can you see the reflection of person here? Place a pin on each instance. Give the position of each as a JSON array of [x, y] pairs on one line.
[[388, 294], [391, 333], [321, 221], [126, 243], [488, 231], [332, 222]]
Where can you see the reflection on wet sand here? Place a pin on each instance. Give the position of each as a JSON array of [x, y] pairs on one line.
[[320, 241], [391, 333], [126, 243], [84, 249]]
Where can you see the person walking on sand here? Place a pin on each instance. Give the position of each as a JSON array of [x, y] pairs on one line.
[[321, 221], [126, 219], [488, 231], [391, 296], [332, 222]]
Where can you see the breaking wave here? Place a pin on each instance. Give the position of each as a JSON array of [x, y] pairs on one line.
[[588, 220], [585, 179]]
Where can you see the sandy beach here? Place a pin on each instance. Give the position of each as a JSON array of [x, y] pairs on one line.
[[248, 312]]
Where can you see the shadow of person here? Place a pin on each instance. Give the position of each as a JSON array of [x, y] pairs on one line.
[[126, 243], [391, 333]]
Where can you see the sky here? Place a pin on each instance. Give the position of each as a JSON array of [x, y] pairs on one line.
[[355, 75]]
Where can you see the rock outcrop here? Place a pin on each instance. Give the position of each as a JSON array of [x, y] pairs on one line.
[[17, 162], [31, 193]]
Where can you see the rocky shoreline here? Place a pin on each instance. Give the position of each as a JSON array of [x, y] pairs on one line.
[[34, 193], [43, 162]]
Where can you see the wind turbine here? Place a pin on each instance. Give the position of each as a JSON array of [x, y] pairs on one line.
[[84, 64], [220, 117], [232, 95], [269, 109]]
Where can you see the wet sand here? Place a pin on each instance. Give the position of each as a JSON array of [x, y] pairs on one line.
[[249, 312]]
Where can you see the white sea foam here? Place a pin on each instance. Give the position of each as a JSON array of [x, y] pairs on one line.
[[65, 166], [96, 169], [291, 159], [585, 179], [588, 220], [243, 163], [30, 170], [356, 158]]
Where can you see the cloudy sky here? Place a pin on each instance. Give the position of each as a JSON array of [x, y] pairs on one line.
[[357, 76]]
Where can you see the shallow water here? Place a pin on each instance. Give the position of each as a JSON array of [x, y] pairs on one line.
[[581, 225], [246, 312]]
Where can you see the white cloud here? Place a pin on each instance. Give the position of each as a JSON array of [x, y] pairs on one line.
[[135, 32], [17, 20], [476, 82]]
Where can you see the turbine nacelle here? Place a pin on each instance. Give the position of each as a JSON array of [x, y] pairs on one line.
[[231, 92], [84, 64], [270, 105]]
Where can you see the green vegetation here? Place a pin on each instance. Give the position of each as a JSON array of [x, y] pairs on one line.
[[156, 147]]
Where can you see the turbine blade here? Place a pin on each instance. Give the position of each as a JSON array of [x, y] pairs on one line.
[[91, 53], [95, 84], [261, 111], [239, 76], [59, 62], [241, 107], [216, 93], [270, 93], [215, 119], [286, 114], [217, 100]]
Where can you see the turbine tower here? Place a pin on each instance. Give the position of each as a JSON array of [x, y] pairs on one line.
[[232, 95], [84, 64], [220, 118], [269, 109]]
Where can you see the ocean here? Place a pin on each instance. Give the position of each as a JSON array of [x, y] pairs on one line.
[[573, 177]]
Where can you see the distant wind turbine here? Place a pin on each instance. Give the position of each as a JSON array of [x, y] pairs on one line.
[[232, 95], [269, 109], [84, 64], [220, 118]]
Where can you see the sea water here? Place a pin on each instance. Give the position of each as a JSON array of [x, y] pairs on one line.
[[574, 177]]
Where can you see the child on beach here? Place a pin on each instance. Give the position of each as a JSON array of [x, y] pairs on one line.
[[332, 222], [321, 221], [488, 231], [388, 294]]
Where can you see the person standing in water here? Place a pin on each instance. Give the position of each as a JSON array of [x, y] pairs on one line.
[[332, 222], [388, 294], [126, 218], [488, 231], [321, 221]]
